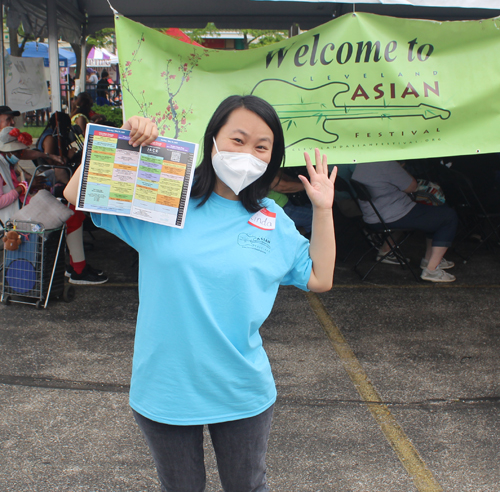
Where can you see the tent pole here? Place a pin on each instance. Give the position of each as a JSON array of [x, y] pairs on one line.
[[294, 30], [55, 88], [83, 64], [3, 100]]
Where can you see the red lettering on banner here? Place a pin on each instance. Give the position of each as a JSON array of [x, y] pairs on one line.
[[381, 90]]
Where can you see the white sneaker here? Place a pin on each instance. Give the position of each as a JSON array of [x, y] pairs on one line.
[[389, 259], [437, 275], [444, 265]]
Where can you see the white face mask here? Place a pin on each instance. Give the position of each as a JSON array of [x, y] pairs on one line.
[[237, 169]]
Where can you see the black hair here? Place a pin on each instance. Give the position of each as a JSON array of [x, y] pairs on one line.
[[204, 179], [63, 134], [104, 74], [83, 104], [63, 120]]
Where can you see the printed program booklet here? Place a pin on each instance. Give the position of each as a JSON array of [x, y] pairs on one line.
[[150, 182]]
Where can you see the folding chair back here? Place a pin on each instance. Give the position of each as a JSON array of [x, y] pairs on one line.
[[342, 185], [364, 195], [474, 218], [385, 236], [351, 223]]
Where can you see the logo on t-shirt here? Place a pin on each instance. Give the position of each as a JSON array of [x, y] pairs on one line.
[[261, 244], [263, 219]]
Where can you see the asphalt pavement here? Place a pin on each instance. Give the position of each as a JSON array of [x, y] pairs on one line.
[[386, 385]]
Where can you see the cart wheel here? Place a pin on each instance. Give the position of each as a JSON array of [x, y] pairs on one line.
[[69, 293], [6, 300], [39, 304]]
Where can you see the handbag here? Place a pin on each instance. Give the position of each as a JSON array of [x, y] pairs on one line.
[[429, 193]]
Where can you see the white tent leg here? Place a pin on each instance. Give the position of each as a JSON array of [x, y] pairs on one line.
[[55, 89], [3, 100]]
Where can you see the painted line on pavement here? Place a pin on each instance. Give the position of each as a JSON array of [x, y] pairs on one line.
[[422, 477]]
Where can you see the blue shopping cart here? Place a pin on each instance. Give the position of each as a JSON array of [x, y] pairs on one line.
[[35, 271]]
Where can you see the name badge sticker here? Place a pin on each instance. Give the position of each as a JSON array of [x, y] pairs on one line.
[[264, 219]]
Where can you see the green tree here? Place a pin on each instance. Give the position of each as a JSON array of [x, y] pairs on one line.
[[105, 38], [199, 34], [20, 34], [252, 38], [255, 38]]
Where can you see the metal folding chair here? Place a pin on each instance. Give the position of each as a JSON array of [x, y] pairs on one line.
[[393, 237], [355, 226], [475, 220]]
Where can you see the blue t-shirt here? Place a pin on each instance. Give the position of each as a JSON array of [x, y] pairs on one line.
[[204, 292]]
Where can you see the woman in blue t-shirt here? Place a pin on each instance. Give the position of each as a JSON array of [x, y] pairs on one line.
[[206, 289]]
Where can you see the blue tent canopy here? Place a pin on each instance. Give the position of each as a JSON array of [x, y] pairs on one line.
[[33, 49]]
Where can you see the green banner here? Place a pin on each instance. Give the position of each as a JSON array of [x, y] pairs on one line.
[[362, 87]]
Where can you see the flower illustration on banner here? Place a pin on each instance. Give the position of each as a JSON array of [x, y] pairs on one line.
[[174, 117], [174, 120], [126, 72]]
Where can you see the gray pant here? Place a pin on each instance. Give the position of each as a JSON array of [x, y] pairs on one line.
[[240, 447]]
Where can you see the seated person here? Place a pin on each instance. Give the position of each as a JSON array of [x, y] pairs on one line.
[[78, 271], [301, 215], [82, 113], [7, 120], [389, 186], [12, 189], [55, 139]]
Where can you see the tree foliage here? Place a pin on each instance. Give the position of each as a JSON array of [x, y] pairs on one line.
[[252, 38], [101, 39], [19, 34], [197, 35], [255, 38]]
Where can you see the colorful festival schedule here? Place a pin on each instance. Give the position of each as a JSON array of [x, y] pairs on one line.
[[150, 182]]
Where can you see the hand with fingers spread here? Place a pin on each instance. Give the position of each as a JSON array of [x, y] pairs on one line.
[[142, 130], [322, 250], [319, 187]]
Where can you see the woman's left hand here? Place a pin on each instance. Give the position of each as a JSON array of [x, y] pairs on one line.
[[319, 187]]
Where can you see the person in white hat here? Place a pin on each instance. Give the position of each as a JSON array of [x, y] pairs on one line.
[[12, 189], [7, 120]]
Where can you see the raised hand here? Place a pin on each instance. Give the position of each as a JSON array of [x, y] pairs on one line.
[[319, 187]]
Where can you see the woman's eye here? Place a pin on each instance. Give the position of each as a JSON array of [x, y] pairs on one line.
[[238, 140]]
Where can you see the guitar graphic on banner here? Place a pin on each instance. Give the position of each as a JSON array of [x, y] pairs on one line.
[[307, 113]]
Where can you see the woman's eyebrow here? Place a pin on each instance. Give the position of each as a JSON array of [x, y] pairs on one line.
[[266, 139], [244, 133], [237, 130]]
